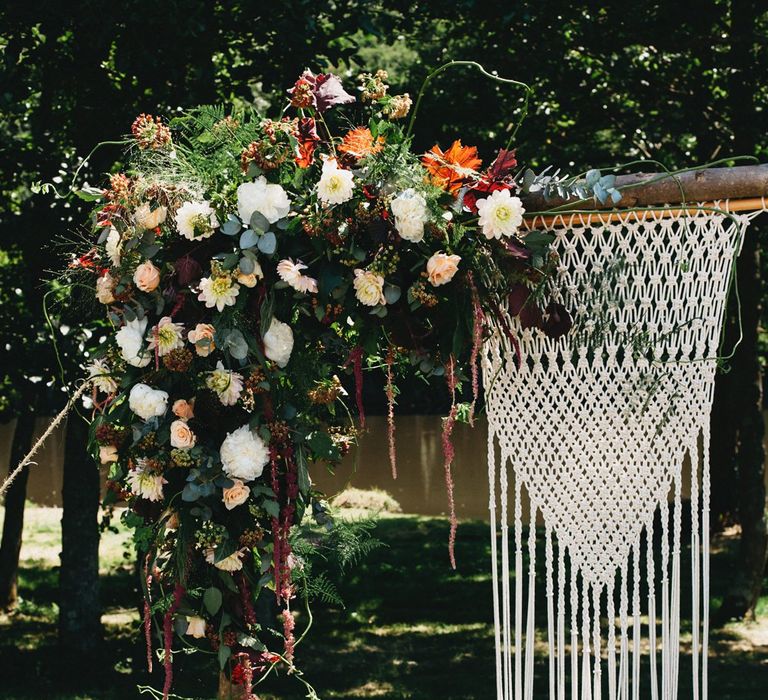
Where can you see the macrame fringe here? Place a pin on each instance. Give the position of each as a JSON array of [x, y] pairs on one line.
[[589, 432]]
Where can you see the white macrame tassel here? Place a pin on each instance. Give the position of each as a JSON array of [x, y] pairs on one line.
[[593, 427]]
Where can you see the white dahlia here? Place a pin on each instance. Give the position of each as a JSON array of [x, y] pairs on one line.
[[100, 376], [243, 454], [145, 483], [166, 336], [218, 291], [290, 273], [501, 214], [227, 385], [196, 220]]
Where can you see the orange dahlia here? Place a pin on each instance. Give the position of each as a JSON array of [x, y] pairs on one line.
[[359, 142], [452, 168]]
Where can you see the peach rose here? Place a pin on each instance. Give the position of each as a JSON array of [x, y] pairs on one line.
[[146, 277], [441, 268], [202, 338], [184, 409], [182, 436], [107, 454], [251, 279], [235, 495]]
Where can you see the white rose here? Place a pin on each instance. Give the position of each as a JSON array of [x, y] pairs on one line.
[[269, 200], [196, 220], [278, 342], [501, 214], [130, 340], [243, 454], [113, 246], [410, 210], [369, 288], [336, 184], [147, 402]]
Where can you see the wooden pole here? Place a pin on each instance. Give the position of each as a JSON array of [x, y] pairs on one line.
[[648, 189], [576, 218]]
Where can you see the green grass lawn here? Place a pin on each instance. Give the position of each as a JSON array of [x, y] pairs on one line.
[[411, 628]]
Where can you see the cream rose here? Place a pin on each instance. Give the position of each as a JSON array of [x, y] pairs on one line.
[[235, 495], [441, 268], [105, 288], [145, 218], [107, 454], [183, 409], [369, 288], [196, 627], [146, 277], [182, 436]]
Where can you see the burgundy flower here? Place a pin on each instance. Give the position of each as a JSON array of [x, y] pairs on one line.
[[496, 177], [321, 91], [308, 139]]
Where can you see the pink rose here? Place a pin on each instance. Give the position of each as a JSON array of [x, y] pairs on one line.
[[146, 277], [202, 338], [441, 268], [235, 495], [182, 436], [184, 409]]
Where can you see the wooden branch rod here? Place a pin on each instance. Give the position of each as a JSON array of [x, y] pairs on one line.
[[575, 218], [649, 189]]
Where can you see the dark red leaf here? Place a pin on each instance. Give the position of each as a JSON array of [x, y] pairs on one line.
[[188, 270]]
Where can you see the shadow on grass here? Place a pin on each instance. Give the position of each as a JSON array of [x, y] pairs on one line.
[[411, 628]]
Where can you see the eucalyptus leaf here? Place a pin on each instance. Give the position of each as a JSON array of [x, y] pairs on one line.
[[232, 226], [259, 222], [248, 239], [267, 243], [391, 293], [247, 266]]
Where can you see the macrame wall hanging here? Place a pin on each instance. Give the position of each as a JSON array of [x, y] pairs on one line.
[[588, 436]]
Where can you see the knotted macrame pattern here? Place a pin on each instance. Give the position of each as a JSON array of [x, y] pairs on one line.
[[588, 436]]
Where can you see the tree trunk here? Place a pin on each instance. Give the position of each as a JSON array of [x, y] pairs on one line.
[[744, 390], [79, 608], [13, 524]]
